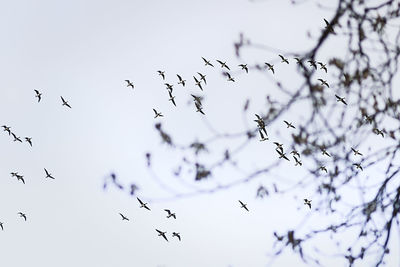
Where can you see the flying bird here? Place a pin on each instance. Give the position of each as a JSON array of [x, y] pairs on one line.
[[323, 82], [324, 152], [270, 67], [358, 166], [244, 67], [1, 225], [170, 214], [207, 62], [162, 74], [298, 162], [323, 168], [356, 152], [142, 204], [65, 103], [298, 60], [197, 99], [157, 114], [199, 108], [329, 27], [169, 87], [29, 140], [48, 175], [230, 78], [307, 202], [340, 99], [129, 84], [23, 215], [124, 217], [7, 129], [181, 81], [322, 66], [284, 60], [243, 205], [289, 125], [171, 98], [177, 235], [263, 138], [223, 64], [16, 138], [38, 95], [20, 178], [279, 146], [312, 63], [378, 132], [282, 155], [202, 77], [198, 83], [160, 233]]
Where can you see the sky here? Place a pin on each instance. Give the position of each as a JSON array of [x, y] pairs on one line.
[[84, 51]]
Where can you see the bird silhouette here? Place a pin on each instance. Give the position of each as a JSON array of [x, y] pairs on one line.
[[322, 66], [199, 108], [157, 114], [181, 81], [289, 125], [16, 138], [124, 217], [356, 152], [202, 77], [23, 215], [298, 162], [230, 78], [177, 235], [263, 138], [1, 225], [340, 99], [162, 74], [284, 60], [270, 67], [161, 233], [38, 95], [244, 206], [358, 166], [307, 202], [198, 83], [323, 82], [244, 67], [170, 214], [48, 175], [20, 178], [142, 204], [223, 64], [207, 62], [65, 103], [7, 129], [129, 84], [171, 98], [29, 140]]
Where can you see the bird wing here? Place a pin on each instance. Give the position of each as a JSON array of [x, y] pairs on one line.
[[145, 206], [141, 203], [159, 231], [168, 211], [163, 235], [281, 57], [179, 77], [220, 62]]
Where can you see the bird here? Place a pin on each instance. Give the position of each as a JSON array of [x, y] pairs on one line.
[[243, 205], [279, 146], [170, 214], [1, 225], [20, 178], [160, 233], [270, 67], [223, 64], [181, 81], [282, 155], [38, 95], [329, 27], [263, 138], [157, 114], [124, 217], [356, 152], [312, 63], [177, 235], [322, 66], [142, 204], [358, 166], [29, 140], [324, 152], [284, 60], [307, 202], [171, 98], [340, 99], [198, 83], [65, 103], [202, 77], [199, 108], [16, 138], [244, 67], [298, 60], [298, 162], [23, 215], [207, 62], [7, 129], [129, 84], [295, 153], [48, 175], [169, 87], [162, 74], [323, 168], [197, 99], [378, 132], [230, 78], [289, 125], [323, 82]]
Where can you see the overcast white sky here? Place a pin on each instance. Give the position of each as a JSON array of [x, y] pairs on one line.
[[84, 50]]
